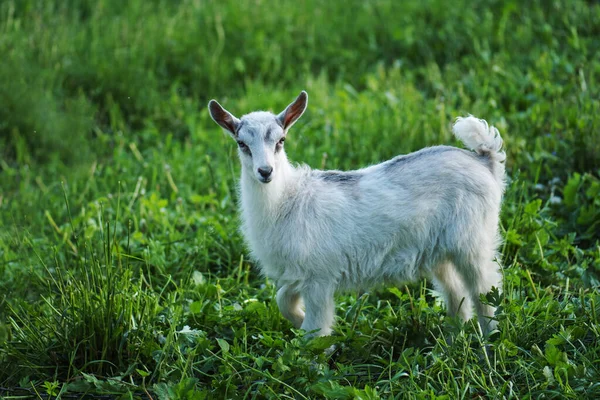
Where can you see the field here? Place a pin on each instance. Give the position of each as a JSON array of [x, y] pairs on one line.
[[122, 271]]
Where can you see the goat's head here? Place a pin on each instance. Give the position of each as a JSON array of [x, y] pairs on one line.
[[260, 135]]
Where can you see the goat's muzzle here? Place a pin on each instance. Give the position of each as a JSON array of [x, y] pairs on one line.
[[265, 174]]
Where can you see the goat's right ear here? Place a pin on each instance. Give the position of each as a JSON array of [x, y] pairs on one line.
[[223, 117]]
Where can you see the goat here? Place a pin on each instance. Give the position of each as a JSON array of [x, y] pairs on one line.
[[430, 213]]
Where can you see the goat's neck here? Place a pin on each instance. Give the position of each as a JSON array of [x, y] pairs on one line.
[[263, 199]]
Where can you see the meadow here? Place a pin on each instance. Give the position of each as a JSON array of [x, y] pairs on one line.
[[122, 271]]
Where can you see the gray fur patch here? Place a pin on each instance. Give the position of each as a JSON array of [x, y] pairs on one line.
[[400, 161], [239, 127], [341, 177], [431, 153]]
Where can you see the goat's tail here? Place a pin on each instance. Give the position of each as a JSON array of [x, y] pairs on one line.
[[484, 139]]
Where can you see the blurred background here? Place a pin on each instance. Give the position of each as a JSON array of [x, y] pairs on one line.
[[107, 149], [77, 73]]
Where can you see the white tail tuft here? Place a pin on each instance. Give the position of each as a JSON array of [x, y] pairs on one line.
[[477, 135]]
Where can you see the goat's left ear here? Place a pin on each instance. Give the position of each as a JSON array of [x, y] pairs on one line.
[[294, 111], [223, 117]]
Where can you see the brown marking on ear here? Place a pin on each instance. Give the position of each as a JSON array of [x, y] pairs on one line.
[[223, 117], [294, 110]]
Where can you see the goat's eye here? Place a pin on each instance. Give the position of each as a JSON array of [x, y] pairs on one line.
[[281, 141], [244, 147]]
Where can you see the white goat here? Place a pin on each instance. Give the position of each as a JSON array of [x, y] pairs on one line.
[[429, 213]]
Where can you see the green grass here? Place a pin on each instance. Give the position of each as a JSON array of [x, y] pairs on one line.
[[121, 269]]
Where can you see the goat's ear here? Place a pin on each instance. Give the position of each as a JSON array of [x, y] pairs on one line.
[[223, 117], [294, 111]]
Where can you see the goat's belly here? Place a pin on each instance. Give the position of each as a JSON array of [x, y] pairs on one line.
[[389, 269], [344, 265]]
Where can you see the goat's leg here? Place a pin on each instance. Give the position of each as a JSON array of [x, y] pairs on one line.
[[457, 297], [289, 302], [320, 309], [480, 274], [489, 276]]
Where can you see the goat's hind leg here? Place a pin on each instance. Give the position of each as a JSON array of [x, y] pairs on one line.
[[480, 274], [289, 302], [458, 300], [489, 276]]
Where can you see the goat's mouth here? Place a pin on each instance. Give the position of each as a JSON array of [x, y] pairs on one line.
[[265, 180]]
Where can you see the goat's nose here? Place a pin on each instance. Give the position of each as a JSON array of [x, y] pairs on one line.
[[265, 172]]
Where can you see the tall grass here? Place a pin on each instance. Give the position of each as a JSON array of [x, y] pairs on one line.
[[69, 63]]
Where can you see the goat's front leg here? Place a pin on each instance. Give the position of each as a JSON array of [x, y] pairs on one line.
[[320, 309], [289, 302]]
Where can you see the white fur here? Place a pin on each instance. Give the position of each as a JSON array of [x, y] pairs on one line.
[[431, 213]]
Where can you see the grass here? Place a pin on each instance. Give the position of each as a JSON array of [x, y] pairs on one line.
[[121, 270]]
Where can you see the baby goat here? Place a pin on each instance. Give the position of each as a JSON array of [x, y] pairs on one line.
[[431, 213]]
